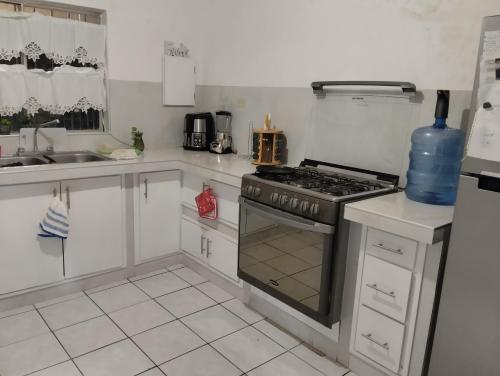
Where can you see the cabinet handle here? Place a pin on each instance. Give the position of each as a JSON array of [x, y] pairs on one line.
[[378, 289], [54, 192], [382, 246], [146, 189], [68, 202], [370, 338], [202, 238], [208, 247]]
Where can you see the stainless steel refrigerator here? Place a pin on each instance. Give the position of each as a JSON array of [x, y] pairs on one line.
[[467, 320]]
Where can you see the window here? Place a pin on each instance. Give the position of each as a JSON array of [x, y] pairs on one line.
[[76, 120]]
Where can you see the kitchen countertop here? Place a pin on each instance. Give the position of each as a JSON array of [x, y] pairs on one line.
[[226, 168], [395, 213]]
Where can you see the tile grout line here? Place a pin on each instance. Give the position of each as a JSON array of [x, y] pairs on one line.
[[206, 343], [60, 343], [209, 345], [140, 277], [106, 287], [18, 313], [126, 335], [60, 302], [247, 324]]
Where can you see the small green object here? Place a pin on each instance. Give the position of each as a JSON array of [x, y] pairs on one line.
[[137, 140], [5, 125]]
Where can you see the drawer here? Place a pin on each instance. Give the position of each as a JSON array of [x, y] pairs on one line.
[[385, 287], [392, 248], [227, 196], [379, 338], [193, 239]]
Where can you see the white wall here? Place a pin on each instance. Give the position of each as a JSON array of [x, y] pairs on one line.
[[138, 28], [432, 43]]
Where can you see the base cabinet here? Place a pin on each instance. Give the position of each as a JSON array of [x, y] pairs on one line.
[[158, 215], [395, 291], [95, 240], [27, 260], [210, 247]]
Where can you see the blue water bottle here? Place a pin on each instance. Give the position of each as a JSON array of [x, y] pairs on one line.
[[435, 159]]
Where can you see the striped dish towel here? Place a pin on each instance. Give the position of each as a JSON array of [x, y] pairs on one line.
[[55, 224]]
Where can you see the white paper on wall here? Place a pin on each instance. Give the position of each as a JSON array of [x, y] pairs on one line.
[[484, 139], [179, 81]]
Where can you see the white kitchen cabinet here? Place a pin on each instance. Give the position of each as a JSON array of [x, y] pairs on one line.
[[27, 260], [222, 254], [193, 239], [159, 214], [399, 259], [386, 287], [95, 241], [227, 197], [379, 338], [210, 247]]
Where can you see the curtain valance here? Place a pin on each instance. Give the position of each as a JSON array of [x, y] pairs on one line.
[[62, 90], [61, 40]]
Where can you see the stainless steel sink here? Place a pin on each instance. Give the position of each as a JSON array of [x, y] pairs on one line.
[[76, 157], [21, 161]]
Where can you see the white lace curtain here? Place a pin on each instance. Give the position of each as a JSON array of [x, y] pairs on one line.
[[64, 89], [59, 91], [61, 40]]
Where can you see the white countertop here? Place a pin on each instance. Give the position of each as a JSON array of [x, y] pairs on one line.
[[227, 168], [397, 214]]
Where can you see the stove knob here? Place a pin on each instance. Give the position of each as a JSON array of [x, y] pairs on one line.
[[249, 189], [304, 206], [274, 197], [257, 191], [314, 209], [294, 202], [284, 200]]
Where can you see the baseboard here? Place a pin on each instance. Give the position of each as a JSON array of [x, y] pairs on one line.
[[40, 294]]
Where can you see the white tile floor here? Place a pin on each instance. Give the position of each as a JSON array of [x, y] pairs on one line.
[[169, 322]]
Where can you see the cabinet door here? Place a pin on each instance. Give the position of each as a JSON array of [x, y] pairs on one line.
[[95, 240], [159, 214], [27, 260], [194, 240], [222, 254]]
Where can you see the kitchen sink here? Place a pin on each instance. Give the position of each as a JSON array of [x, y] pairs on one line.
[[52, 158], [76, 157], [21, 161]]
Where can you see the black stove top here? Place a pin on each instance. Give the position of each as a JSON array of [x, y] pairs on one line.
[[316, 180]]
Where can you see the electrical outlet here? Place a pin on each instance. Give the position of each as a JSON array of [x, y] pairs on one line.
[[240, 103]]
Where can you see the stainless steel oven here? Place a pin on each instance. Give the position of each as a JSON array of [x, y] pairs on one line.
[[295, 259]]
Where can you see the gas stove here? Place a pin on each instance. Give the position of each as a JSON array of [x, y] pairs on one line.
[[313, 192]]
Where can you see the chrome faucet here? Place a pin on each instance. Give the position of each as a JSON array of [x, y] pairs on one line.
[[37, 127]]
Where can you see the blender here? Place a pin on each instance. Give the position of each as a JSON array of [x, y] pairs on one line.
[[223, 140]]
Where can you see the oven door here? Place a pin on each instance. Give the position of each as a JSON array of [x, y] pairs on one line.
[[288, 257]]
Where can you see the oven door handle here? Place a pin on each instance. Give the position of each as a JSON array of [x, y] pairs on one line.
[[285, 218]]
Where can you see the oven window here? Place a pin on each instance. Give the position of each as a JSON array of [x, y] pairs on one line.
[[284, 258]]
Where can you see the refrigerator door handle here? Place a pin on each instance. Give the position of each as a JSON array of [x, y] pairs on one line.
[[489, 183]]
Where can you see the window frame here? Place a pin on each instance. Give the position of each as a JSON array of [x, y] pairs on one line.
[[100, 14]]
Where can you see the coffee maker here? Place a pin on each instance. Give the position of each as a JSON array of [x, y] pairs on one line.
[[198, 131], [223, 140]]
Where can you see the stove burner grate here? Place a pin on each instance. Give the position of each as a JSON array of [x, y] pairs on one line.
[[325, 182]]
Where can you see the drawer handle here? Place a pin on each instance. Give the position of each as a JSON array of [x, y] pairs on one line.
[[370, 338], [378, 289], [202, 238], [382, 246]]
